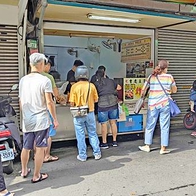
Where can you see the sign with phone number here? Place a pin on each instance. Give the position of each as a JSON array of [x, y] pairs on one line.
[[7, 155]]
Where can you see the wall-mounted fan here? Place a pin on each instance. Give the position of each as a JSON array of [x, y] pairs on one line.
[[94, 48], [72, 52], [109, 44]]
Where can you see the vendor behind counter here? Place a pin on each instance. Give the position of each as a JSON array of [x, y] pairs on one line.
[[71, 75]]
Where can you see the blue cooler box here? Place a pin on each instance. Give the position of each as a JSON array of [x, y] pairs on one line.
[[133, 123]]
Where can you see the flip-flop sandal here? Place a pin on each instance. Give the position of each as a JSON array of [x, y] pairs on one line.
[[51, 159], [28, 172], [193, 134], [8, 194], [40, 178]]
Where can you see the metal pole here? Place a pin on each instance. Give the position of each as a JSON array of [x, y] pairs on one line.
[[40, 26], [21, 10]]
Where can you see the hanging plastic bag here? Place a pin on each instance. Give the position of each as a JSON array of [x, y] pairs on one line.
[[125, 109], [120, 110], [122, 115]]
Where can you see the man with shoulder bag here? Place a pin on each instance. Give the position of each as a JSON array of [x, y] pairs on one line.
[[83, 95]]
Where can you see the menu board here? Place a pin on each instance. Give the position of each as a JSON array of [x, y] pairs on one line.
[[132, 88], [136, 50]]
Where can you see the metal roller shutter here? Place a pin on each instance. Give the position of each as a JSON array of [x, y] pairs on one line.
[[9, 71], [179, 48]]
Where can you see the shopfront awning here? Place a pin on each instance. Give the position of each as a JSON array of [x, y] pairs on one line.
[[187, 2], [77, 13]]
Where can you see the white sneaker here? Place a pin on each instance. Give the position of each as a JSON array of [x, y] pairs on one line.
[[165, 151], [144, 148], [80, 159], [98, 156]]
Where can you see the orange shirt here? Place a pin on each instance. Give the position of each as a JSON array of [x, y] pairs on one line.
[[78, 94]]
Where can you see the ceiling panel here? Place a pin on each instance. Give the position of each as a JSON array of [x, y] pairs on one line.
[[187, 27], [85, 34], [79, 15], [9, 2]]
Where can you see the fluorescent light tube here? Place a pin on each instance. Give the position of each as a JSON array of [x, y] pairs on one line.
[[96, 17], [91, 36]]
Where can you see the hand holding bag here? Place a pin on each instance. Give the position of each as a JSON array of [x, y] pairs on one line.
[[81, 111], [174, 109], [140, 102]]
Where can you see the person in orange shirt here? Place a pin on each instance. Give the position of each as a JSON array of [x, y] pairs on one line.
[[78, 96]]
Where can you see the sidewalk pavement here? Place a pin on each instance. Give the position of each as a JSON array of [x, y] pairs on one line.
[[122, 171]]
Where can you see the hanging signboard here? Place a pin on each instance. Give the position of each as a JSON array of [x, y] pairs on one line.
[[136, 50], [32, 45]]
